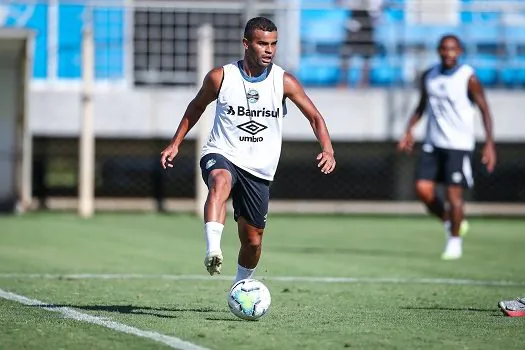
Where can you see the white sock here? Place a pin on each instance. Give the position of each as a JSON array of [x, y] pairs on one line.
[[243, 273], [213, 234], [448, 227]]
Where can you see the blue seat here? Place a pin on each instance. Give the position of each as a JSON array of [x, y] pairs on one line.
[[426, 35], [319, 70], [513, 72], [487, 67], [326, 25], [385, 71]]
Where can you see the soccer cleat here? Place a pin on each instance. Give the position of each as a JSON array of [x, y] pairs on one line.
[[453, 249], [213, 262], [464, 228], [513, 308]]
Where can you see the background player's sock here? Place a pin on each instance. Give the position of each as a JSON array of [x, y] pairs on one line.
[[243, 273], [213, 234], [448, 226]]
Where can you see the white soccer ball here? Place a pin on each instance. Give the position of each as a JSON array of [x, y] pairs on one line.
[[249, 299]]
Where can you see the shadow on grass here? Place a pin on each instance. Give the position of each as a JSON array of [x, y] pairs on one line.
[[443, 308], [136, 310], [229, 319]]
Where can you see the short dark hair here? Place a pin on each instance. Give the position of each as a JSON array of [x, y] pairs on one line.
[[450, 36], [261, 23]]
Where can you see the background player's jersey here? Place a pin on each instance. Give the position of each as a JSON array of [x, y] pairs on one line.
[[248, 121], [450, 111]]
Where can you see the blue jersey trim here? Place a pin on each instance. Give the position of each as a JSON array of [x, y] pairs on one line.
[[258, 79], [449, 71]]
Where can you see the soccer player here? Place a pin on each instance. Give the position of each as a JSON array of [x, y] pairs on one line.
[[449, 91], [513, 308], [242, 152]]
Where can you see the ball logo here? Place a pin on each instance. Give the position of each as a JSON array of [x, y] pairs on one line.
[[252, 96]]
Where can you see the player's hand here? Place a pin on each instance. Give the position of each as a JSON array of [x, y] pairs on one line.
[[167, 156], [489, 156], [406, 143], [326, 162]]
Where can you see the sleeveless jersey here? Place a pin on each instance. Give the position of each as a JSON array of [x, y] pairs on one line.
[[247, 129], [450, 111]]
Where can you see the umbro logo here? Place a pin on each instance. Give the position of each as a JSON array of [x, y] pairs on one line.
[[252, 127]]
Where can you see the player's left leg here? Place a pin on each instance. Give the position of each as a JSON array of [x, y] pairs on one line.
[[458, 176]]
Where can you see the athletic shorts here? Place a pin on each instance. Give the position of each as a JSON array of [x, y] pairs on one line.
[[448, 166], [250, 194]]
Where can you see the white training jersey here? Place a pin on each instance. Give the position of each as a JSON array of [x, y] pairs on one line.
[[450, 111], [247, 129]]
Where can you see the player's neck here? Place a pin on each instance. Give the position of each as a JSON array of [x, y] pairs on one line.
[[449, 70], [251, 70]]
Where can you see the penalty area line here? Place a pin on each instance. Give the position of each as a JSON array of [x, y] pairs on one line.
[[308, 279], [67, 312]]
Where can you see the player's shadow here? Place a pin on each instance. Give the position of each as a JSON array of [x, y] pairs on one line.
[[443, 308], [162, 312], [229, 319]]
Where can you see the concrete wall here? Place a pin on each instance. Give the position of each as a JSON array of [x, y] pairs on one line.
[[350, 114]]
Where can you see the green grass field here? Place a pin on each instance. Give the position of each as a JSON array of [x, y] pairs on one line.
[[146, 271]]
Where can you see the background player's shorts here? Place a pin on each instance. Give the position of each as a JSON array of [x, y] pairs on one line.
[[447, 166], [359, 36], [250, 194]]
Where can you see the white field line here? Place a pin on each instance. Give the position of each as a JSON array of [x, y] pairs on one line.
[[376, 280], [67, 312]]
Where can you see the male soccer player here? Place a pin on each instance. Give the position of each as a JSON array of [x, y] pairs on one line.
[[449, 91], [242, 152], [513, 308]]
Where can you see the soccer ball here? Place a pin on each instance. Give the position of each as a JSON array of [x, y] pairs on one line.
[[249, 299]]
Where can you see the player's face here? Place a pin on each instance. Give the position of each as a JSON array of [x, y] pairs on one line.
[[262, 47], [449, 51]]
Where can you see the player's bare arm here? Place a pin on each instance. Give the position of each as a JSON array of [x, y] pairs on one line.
[[407, 140], [475, 90], [207, 94], [295, 92]]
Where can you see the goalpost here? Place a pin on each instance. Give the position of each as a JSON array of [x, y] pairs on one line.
[[15, 137]]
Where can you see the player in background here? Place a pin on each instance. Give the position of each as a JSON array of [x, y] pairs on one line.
[[449, 91], [242, 152]]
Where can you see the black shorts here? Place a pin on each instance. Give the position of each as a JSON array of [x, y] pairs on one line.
[[250, 194], [448, 166]]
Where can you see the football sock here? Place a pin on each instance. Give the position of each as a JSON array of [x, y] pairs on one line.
[[243, 273], [213, 234], [448, 227]]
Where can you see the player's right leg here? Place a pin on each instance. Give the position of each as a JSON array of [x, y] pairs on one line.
[[217, 173], [427, 174], [426, 192]]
